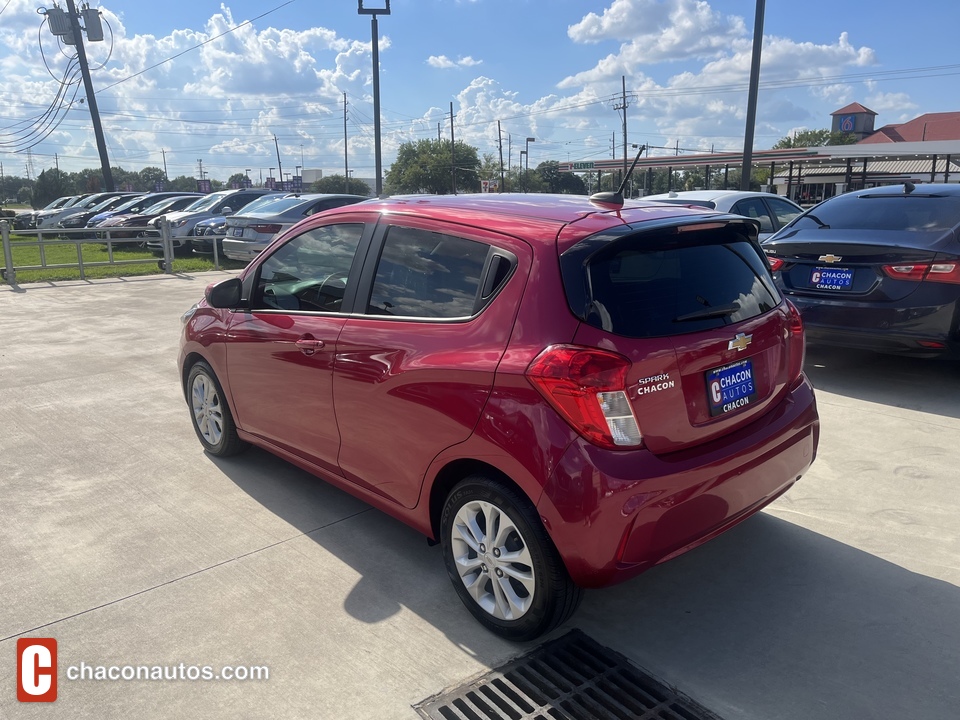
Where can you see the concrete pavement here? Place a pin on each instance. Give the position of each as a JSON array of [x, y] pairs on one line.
[[120, 538]]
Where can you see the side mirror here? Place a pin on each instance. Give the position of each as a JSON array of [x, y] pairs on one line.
[[227, 211], [224, 294]]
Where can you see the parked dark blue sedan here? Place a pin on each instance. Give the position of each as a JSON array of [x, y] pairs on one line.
[[877, 269]]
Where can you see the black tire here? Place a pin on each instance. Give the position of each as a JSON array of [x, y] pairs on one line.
[[210, 413], [547, 594]]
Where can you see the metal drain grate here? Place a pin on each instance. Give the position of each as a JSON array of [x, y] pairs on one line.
[[571, 678]]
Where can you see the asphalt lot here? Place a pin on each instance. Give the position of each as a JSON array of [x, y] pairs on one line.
[[120, 538]]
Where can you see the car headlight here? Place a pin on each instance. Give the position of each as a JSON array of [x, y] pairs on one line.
[[185, 318], [178, 223]]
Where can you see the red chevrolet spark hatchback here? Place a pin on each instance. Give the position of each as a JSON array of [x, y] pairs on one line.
[[562, 393]]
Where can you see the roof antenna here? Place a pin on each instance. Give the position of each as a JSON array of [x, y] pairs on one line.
[[616, 198], [908, 187]]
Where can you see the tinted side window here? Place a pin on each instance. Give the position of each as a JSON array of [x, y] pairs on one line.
[[784, 211], [310, 271], [754, 208], [645, 289], [424, 274]]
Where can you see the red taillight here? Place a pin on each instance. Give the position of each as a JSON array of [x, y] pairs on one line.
[[265, 228], [795, 341], [775, 263], [943, 272], [587, 387]]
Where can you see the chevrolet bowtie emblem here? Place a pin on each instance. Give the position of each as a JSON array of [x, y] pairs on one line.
[[831, 258], [740, 342]]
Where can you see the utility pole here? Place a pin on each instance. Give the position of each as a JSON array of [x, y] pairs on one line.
[[623, 106], [91, 97], [375, 46], [164, 153], [279, 166], [503, 182], [453, 164], [752, 98], [199, 160], [346, 163]]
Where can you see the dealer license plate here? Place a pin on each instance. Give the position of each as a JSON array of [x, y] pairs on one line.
[[823, 278], [731, 387], [238, 232]]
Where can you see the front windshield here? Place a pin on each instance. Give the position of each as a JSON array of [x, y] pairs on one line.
[[108, 204], [159, 207], [136, 204], [204, 203], [58, 203]]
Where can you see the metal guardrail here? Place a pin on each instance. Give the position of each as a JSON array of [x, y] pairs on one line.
[[54, 237]]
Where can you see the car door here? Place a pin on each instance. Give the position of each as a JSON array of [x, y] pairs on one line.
[[414, 371], [281, 351]]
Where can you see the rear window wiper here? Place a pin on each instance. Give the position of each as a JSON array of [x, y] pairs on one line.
[[710, 312]]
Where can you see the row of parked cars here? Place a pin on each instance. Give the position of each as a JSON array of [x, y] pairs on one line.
[[561, 391], [250, 217]]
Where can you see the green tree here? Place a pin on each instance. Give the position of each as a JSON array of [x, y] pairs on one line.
[[184, 183], [424, 167], [815, 138], [150, 176], [50, 185], [25, 195], [560, 182], [337, 184], [236, 180]]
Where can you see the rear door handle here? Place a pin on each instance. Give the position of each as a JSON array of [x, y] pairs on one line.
[[308, 344]]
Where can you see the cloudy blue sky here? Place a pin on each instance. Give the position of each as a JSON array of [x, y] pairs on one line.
[[217, 80]]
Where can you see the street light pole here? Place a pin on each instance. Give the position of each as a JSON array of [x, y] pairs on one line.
[[523, 175], [374, 32], [752, 98], [527, 153]]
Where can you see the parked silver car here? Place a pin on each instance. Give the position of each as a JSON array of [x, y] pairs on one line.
[[250, 232]]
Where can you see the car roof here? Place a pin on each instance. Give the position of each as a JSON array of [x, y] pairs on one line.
[[533, 216], [918, 189], [710, 195]]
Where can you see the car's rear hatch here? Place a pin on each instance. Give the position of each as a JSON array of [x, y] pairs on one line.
[[850, 264], [693, 307]]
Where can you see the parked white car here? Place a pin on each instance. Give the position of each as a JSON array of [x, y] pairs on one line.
[[771, 210]]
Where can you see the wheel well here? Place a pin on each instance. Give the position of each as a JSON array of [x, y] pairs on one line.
[[453, 473], [188, 364]]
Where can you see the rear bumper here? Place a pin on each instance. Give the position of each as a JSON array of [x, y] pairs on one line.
[[922, 329], [243, 250], [614, 514]]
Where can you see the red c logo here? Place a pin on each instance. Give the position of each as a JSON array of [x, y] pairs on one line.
[[36, 669]]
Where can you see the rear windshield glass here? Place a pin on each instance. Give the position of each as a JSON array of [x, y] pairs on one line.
[[641, 288], [880, 212]]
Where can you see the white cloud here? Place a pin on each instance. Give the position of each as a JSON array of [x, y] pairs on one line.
[[442, 62], [656, 31]]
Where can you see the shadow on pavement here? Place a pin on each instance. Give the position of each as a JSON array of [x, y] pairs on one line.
[[925, 385], [770, 620], [775, 621]]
